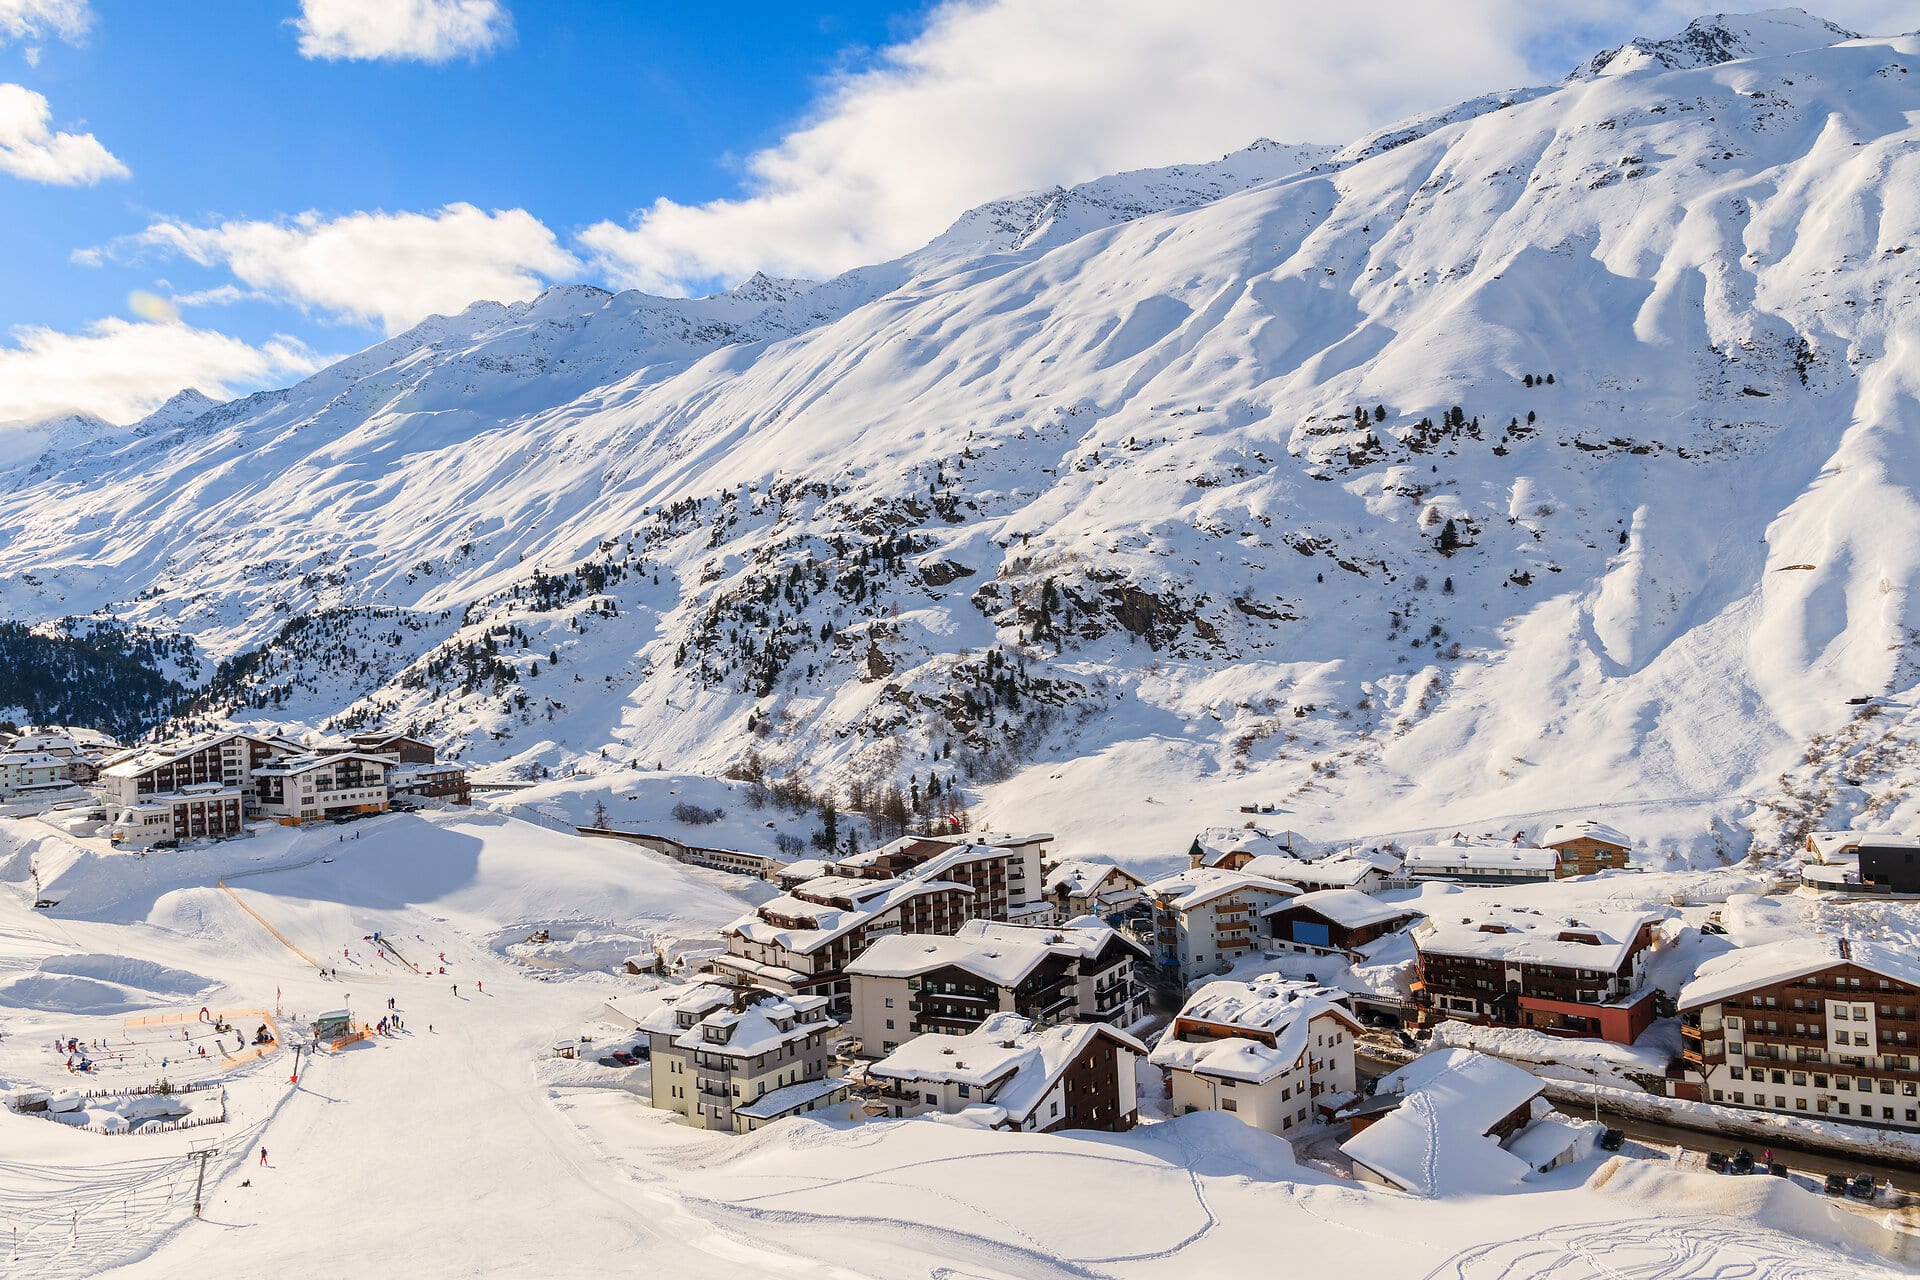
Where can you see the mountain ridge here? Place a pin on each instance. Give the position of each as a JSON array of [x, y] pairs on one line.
[[1148, 483]]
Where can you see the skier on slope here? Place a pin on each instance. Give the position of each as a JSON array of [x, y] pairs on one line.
[[263, 1155]]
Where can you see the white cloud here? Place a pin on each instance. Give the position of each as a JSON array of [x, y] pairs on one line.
[[390, 268], [66, 20], [994, 97], [122, 370], [30, 149], [402, 30]]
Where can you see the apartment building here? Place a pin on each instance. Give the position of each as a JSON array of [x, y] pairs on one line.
[[1821, 1027], [1271, 1052], [298, 789], [904, 986], [801, 942], [734, 1059], [1572, 976], [1206, 918]]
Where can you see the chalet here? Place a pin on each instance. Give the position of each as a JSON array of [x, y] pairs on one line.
[[908, 985], [1517, 967], [1454, 1121], [1335, 922], [736, 1059], [1087, 888], [298, 789], [1587, 847], [1824, 1027], [1231, 848], [801, 942], [1204, 919], [1010, 1074], [1466, 862], [1277, 1054], [1863, 862]]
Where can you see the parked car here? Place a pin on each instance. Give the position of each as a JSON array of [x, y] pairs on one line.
[[1861, 1188], [1717, 1161], [1836, 1184], [1742, 1162], [1612, 1140], [1407, 1041]]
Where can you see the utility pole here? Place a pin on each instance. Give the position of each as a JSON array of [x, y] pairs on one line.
[[298, 1045], [200, 1178]]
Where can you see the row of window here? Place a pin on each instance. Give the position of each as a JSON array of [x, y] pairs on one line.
[[1840, 1083], [1888, 1114]]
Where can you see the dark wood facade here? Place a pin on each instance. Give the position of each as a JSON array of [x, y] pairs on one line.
[[1783, 1046]]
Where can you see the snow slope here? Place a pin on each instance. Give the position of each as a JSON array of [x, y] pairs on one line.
[[1077, 500]]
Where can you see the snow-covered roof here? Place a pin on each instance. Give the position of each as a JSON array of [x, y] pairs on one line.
[[1083, 876], [759, 1028], [1331, 873], [292, 766], [1441, 858], [1348, 907], [1084, 937], [659, 1010], [1006, 1058], [824, 920], [1542, 1143], [1830, 846], [1196, 887], [32, 760], [1591, 940], [901, 955], [1769, 963], [1218, 843], [132, 763], [790, 1098], [1435, 1141], [1002, 954], [1584, 829], [1269, 1009]]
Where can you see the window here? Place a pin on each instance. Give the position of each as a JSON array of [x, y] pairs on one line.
[[1719, 1096], [889, 1024], [1228, 1084], [1886, 1086], [1845, 1109], [1859, 1013], [1737, 1072], [1780, 1101], [1779, 1077], [1840, 1013], [1800, 1077], [1739, 1098], [966, 1091], [1228, 1104], [1799, 1104], [889, 1002], [1819, 1081]]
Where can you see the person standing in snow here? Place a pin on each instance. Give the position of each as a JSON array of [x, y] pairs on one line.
[[263, 1155], [456, 988]]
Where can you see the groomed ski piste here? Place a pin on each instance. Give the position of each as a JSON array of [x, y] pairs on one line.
[[460, 1147]]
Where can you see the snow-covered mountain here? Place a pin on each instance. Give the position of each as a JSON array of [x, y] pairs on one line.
[[1553, 451]]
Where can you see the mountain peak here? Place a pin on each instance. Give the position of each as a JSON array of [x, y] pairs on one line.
[[183, 405], [1715, 38]]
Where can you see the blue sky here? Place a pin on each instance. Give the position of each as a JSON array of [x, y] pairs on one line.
[[223, 193]]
